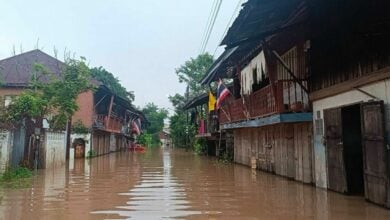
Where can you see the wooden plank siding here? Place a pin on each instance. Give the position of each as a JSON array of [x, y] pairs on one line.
[[283, 149], [335, 60]]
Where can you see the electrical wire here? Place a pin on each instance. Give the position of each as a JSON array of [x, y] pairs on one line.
[[212, 11], [211, 26], [229, 24]]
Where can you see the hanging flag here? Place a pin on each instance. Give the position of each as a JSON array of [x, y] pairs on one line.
[[222, 93], [212, 101], [136, 124]]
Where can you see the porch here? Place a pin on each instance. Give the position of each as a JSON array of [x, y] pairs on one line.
[[284, 101]]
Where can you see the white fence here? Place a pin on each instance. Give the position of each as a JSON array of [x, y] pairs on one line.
[[55, 146]]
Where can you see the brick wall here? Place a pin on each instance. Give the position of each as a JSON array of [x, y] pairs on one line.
[[85, 113]]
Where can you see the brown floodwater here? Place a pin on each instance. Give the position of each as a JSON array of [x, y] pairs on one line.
[[173, 184]]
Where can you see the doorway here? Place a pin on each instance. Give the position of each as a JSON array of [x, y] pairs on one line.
[[353, 149], [356, 150], [79, 148]]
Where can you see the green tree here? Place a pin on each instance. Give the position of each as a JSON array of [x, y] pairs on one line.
[[191, 72], [156, 117], [113, 83], [56, 96]]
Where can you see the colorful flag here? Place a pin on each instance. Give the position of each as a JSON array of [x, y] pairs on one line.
[[211, 102], [136, 124], [222, 93]]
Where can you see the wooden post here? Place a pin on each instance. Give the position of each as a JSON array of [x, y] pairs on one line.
[[68, 133], [109, 111]]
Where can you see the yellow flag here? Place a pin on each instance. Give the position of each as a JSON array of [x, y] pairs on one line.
[[211, 102]]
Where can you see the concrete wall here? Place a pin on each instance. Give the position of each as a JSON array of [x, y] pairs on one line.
[[379, 89], [284, 149], [85, 112], [5, 149]]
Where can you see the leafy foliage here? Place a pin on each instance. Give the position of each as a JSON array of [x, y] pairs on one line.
[[193, 70], [18, 177], [55, 97], [112, 83], [145, 139], [79, 128], [156, 117], [16, 173]]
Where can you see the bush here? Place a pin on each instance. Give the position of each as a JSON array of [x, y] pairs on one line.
[[16, 173], [200, 146], [91, 153]]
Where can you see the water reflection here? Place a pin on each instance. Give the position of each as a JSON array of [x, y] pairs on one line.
[[158, 195], [174, 184]]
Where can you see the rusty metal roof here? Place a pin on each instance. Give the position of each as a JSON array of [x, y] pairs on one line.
[[259, 18]]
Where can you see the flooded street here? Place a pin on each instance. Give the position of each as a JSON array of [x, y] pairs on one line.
[[166, 184]]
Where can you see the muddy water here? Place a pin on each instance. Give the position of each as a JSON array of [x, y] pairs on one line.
[[164, 184]]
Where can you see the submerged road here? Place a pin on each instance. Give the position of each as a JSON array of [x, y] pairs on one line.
[[173, 184]]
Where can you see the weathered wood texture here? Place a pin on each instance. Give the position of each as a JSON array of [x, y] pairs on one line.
[[262, 103], [351, 44], [101, 142], [284, 149], [334, 148], [374, 164]]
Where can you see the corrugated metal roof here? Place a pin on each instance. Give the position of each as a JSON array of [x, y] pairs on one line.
[[259, 18]]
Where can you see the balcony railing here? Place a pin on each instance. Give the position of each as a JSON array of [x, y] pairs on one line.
[[112, 123], [208, 126], [288, 97]]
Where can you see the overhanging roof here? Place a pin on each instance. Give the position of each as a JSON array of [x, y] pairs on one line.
[[210, 75], [259, 18], [197, 101]]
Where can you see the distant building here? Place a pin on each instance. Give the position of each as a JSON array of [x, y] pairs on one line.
[[107, 117]]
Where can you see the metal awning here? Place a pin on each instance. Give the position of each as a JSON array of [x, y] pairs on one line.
[[197, 101], [211, 74]]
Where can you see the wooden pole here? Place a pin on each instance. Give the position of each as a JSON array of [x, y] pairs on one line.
[[109, 111], [289, 71]]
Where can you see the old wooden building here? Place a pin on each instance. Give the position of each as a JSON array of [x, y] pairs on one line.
[[287, 59], [268, 110], [109, 119], [350, 70]]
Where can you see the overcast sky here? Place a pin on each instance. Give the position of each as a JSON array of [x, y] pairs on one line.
[[140, 42]]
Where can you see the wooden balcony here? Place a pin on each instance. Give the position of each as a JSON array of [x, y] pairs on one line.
[[110, 124], [289, 98]]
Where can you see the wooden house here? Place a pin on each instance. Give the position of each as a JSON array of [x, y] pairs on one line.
[[206, 124], [349, 78], [108, 118], [268, 111], [327, 57]]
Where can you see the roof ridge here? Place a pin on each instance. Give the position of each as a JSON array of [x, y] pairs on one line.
[[28, 52]]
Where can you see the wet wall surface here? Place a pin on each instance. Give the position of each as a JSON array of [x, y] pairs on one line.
[[173, 184]]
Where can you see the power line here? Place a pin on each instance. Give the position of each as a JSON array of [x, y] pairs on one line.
[[212, 26], [212, 11], [229, 23], [210, 30]]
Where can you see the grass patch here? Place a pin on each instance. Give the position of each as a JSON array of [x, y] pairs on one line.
[[16, 177]]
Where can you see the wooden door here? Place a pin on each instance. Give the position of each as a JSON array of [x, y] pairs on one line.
[[374, 152], [334, 146]]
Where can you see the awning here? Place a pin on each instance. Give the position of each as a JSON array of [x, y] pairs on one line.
[[210, 75], [197, 101]]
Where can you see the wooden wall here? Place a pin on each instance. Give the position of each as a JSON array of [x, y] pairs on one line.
[[284, 149]]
